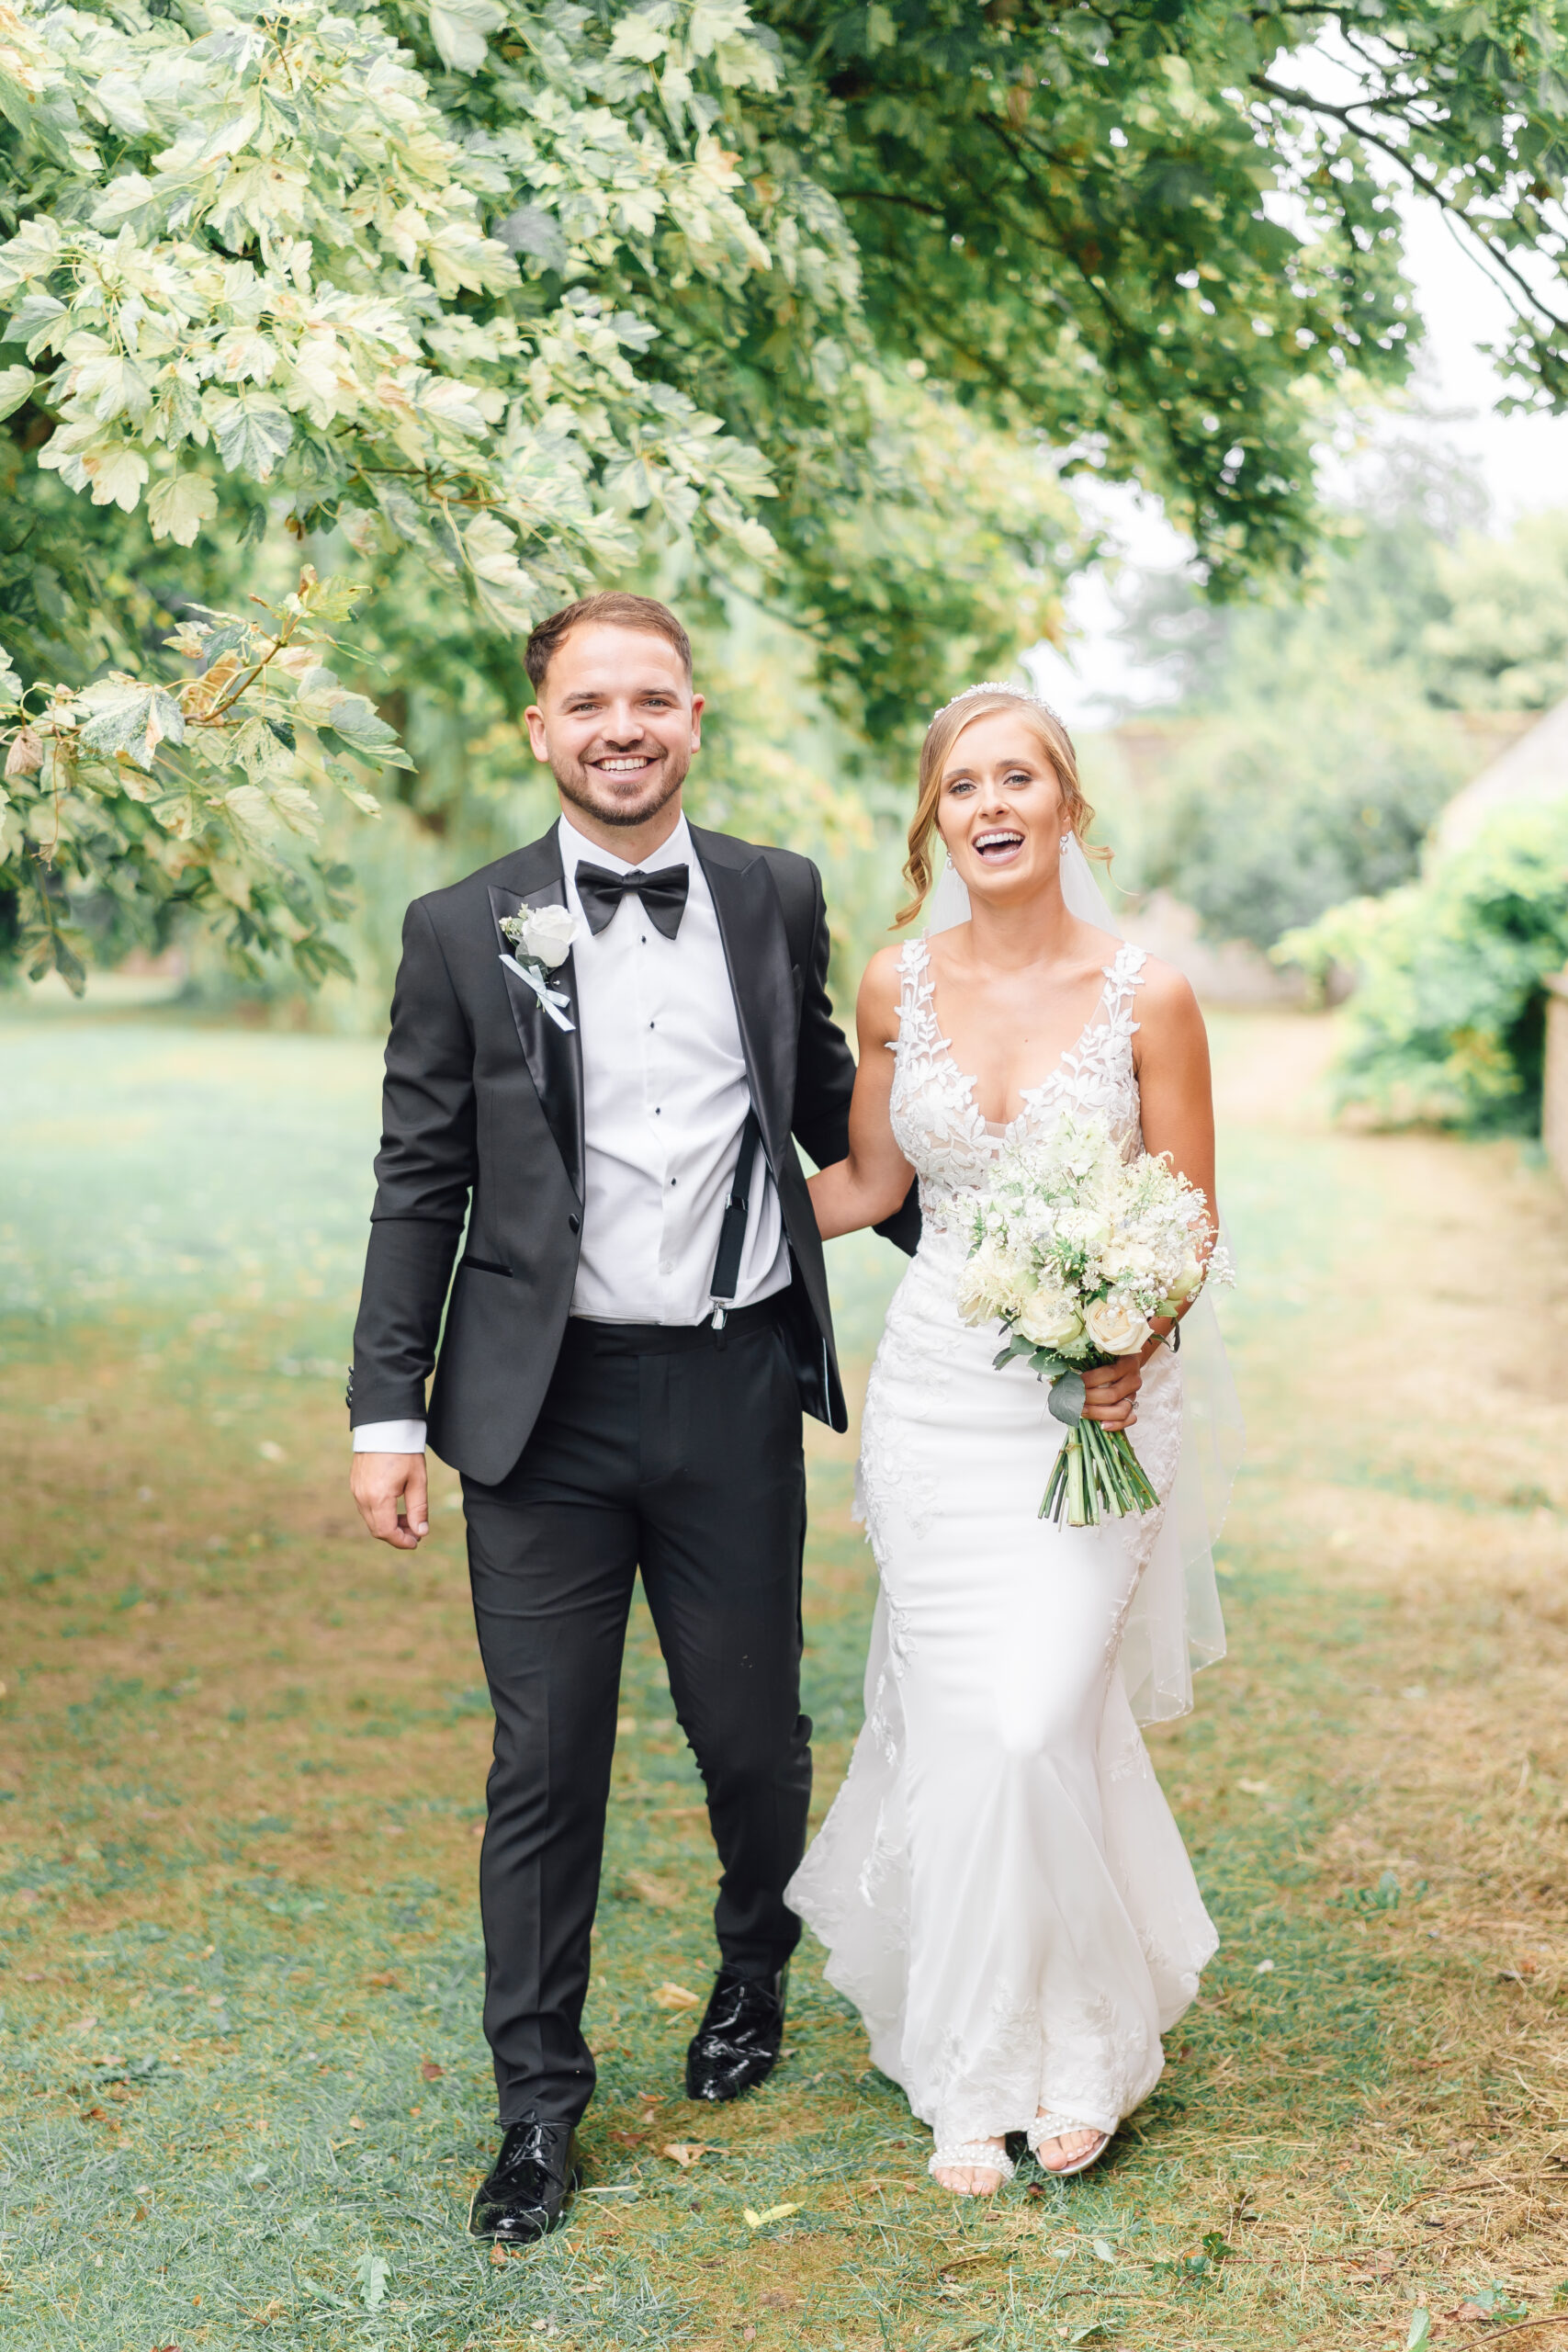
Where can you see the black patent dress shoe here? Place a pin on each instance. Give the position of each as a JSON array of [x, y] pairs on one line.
[[522, 2197], [737, 2045]]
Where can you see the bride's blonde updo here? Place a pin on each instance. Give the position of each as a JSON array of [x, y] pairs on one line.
[[978, 702]]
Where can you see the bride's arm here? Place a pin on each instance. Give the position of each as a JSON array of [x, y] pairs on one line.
[[871, 1182], [1170, 1053]]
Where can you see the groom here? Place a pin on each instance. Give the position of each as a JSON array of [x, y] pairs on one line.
[[639, 1314]]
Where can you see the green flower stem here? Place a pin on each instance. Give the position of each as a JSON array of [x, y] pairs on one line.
[[1096, 1476]]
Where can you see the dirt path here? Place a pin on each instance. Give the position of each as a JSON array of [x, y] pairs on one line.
[[243, 1769]]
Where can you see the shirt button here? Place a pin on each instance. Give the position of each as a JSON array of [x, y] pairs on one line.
[[666, 1265]]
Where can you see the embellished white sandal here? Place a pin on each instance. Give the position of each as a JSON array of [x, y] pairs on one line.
[[1058, 2126], [974, 2156]]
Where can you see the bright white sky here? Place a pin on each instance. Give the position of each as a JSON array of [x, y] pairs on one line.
[[1522, 460]]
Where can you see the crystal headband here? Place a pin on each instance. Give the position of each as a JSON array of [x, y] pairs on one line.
[[1000, 686]]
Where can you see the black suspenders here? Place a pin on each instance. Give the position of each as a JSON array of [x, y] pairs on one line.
[[732, 1232]]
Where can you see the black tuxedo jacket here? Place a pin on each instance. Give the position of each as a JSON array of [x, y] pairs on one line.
[[482, 1125]]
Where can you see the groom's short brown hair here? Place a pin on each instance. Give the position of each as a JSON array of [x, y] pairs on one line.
[[610, 610]]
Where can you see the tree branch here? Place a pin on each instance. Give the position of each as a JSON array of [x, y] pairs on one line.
[[1346, 115]]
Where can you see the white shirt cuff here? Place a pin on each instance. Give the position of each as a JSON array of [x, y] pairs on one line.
[[390, 1437]]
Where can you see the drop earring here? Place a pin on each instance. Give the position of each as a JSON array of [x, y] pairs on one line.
[[1066, 840]]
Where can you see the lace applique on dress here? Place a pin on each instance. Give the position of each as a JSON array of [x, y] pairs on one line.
[[934, 1116]]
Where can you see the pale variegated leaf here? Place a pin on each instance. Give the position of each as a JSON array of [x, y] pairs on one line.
[[251, 434], [460, 30], [16, 386], [178, 506]]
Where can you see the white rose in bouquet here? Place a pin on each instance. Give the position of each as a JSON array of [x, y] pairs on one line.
[[994, 1282], [1130, 1259], [1117, 1328], [1188, 1279], [1050, 1321]]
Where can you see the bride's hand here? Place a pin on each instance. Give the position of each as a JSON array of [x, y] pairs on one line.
[[1112, 1392]]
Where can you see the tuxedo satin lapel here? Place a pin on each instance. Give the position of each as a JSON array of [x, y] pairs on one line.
[[554, 1056], [751, 925]]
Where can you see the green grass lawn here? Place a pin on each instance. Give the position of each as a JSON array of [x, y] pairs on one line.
[[242, 1757]]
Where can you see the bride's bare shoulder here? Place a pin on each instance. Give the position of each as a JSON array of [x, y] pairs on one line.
[[1166, 1009], [876, 1008]]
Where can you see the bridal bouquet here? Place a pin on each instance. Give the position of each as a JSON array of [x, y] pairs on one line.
[[1074, 1250]]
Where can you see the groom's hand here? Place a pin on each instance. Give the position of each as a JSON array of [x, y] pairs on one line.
[[379, 1482]]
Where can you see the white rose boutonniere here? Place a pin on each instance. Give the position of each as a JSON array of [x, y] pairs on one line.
[[544, 937]]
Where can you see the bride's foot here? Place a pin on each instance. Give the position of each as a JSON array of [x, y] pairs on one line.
[[971, 2167], [1061, 2147]]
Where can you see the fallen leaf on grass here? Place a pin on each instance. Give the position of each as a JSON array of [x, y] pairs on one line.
[[778, 2299], [83, 2025], [354, 2124], [498, 2258], [673, 1996], [968, 2261], [385, 1979], [773, 2213], [653, 1890], [431, 2072], [685, 2152], [1420, 2333]]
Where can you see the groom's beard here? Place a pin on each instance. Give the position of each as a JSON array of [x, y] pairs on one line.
[[596, 798]]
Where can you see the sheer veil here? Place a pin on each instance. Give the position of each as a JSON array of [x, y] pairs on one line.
[[1175, 1626]]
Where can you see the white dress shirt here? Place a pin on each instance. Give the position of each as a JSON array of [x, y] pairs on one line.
[[664, 1097]]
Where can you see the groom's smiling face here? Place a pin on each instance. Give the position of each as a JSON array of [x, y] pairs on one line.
[[617, 722]]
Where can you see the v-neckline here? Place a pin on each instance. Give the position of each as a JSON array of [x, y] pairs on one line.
[[1002, 1135]]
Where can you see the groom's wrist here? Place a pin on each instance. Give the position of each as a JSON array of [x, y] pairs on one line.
[[390, 1437]]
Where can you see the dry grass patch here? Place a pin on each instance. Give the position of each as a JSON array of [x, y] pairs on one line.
[[244, 1756]]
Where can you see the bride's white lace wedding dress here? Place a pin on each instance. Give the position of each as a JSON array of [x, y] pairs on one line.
[[1001, 1888]]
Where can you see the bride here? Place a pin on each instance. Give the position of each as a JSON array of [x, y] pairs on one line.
[[999, 1884]]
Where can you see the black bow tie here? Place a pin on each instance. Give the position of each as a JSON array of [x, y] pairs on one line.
[[664, 894]]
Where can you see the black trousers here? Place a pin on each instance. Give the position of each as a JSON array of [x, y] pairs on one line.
[[677, 1451]]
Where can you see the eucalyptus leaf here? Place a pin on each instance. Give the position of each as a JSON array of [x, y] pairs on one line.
[[1017, 1346], [1068, 1397]]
